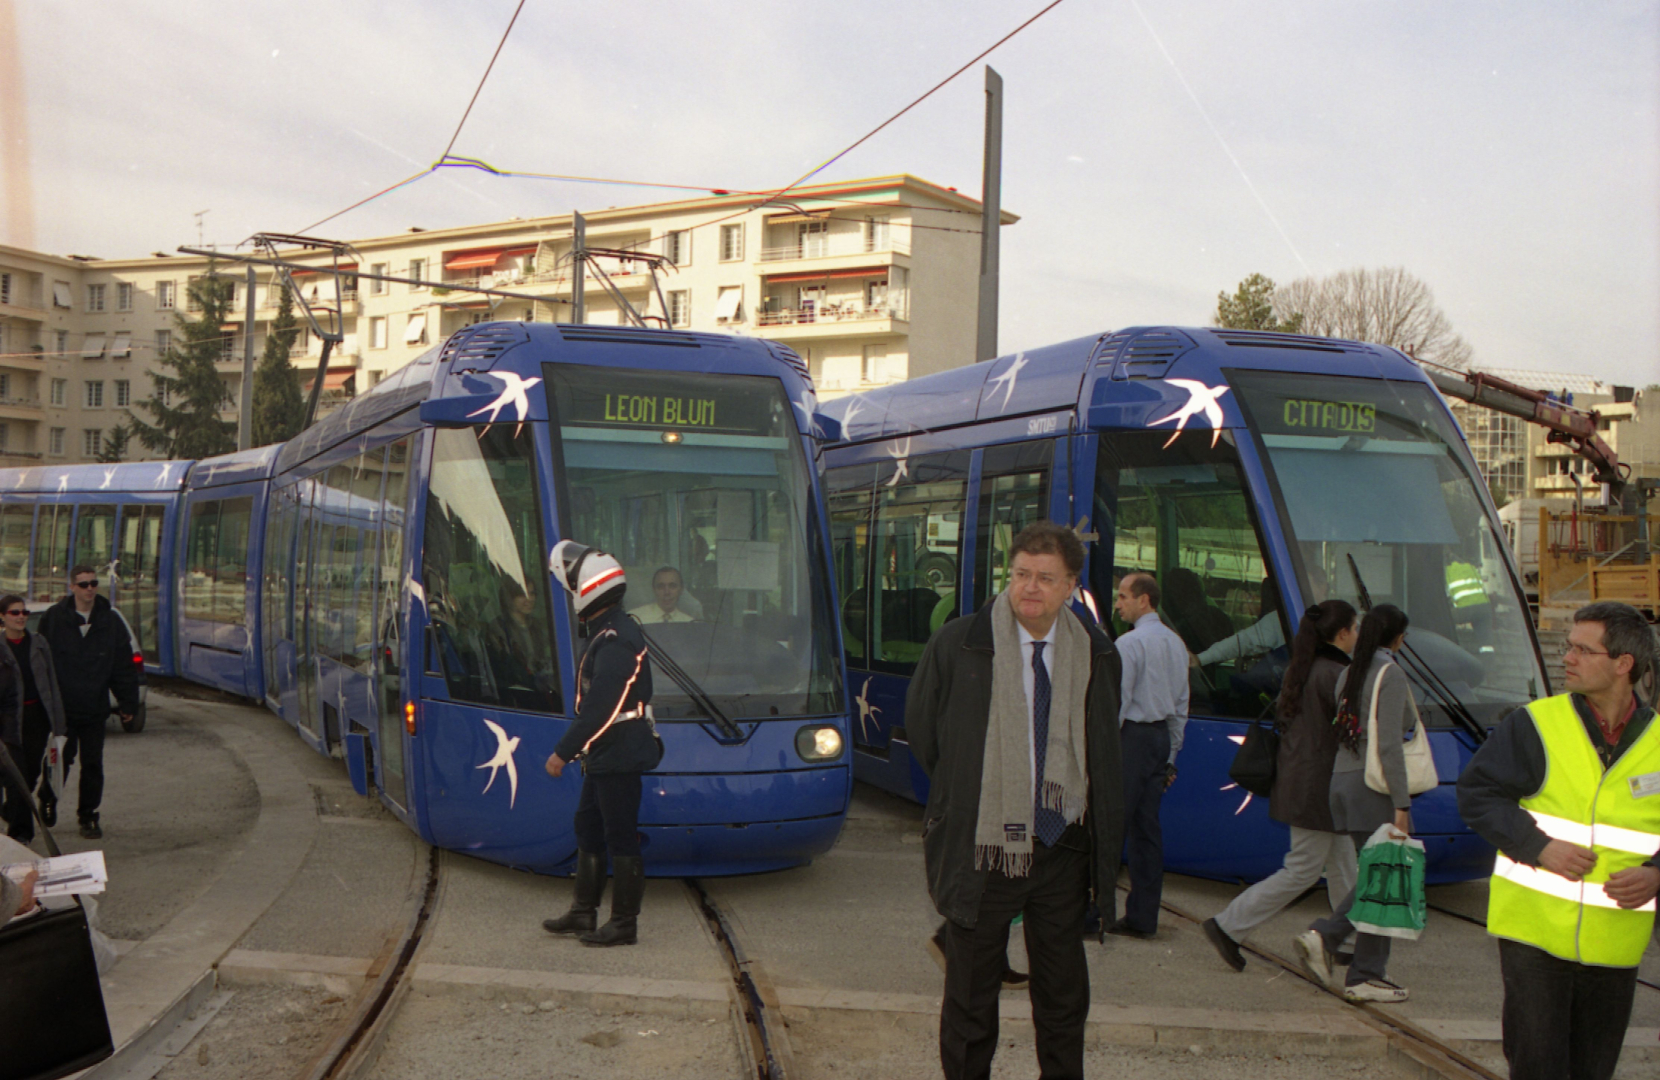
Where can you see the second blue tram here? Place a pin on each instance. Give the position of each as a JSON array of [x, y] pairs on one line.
[[381, 582], [1252, 474]]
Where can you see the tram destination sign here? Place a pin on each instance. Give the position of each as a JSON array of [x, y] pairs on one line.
[[1313, 416], [586, 396]]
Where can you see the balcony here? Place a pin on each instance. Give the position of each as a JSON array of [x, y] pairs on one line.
[[20, 407], [10, 458], [831, 246], [833, 320]]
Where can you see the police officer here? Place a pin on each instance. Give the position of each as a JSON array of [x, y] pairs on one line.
[[1568, 790], [614, 738]]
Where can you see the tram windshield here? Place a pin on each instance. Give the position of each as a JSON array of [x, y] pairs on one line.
[[698, 485], [1377, 496]]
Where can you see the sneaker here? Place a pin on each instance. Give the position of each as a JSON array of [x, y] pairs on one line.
[[90, 830], [1381, 991], [1122, 928], [1226, 947], [1311, 949]]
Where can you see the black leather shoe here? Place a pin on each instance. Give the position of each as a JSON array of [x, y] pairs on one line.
[[49, 810], [1226, 947], [1013, 980], [90, 829], [1122, 928]]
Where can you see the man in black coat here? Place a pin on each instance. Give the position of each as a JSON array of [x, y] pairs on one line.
[[1013, 713], [93, 655], [616, 741]]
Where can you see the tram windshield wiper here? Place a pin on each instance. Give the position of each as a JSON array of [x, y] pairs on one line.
[[690, 687], [1421, 673]]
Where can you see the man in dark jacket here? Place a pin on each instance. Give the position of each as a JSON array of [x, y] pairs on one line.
[[39, 717], [1013, 713], [615, 739], [93, 655]]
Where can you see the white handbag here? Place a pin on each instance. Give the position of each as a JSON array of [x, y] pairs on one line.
[[1420, 763]]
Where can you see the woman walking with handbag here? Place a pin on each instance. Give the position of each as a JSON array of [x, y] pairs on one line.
[[1302, 782], [1375, 696]]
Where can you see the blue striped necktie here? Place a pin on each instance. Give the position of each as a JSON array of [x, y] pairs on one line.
[[1046, 824]]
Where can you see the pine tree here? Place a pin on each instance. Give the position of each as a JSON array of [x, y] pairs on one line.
[[279, 410], [115, 445], [1252, 308], [188, 392]]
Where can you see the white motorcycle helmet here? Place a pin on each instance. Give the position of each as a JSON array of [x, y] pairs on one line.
[[594, 579]]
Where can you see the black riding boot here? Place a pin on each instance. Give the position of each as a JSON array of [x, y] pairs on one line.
[[626, 892], [590, 886]]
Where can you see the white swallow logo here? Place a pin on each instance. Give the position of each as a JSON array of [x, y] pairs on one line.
[[867, 711], [1200, 399], [109, 475], [166, 471], [503, 759], [63, 484], [1008, 379], [1238, 740], [853, 409], [899, 453], [807, 403], [513, 387]]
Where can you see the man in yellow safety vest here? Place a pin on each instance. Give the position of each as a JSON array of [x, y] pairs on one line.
[[1470, 604], [1568, 790]]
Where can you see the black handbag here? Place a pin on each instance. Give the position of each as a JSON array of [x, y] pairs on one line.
[[52, 1018], [1253, 766]]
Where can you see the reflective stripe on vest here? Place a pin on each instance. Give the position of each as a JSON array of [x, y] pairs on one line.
[[1464, 585], [1581, 804]]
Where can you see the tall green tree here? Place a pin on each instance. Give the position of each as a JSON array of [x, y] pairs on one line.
[[115, 444], [278, 410], [187, 393], [1251, 307]]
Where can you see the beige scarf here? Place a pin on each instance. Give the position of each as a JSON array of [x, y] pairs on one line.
[[1003, 833]]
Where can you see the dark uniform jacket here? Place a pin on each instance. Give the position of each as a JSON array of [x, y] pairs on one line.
[[11, 701], [90, 668], [1511, 766], [1301, 795], [947, 710], [612, 678], [46, 684]]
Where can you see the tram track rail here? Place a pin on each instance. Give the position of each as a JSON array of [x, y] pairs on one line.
[[762, 1038]]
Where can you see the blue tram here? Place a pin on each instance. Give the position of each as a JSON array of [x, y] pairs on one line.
[[1253, 474], [381, 583]]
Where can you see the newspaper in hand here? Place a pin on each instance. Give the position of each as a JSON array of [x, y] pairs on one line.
[[65, 875]]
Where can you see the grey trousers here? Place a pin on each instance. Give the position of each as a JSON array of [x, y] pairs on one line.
[[1371, 950], [1312, 853]]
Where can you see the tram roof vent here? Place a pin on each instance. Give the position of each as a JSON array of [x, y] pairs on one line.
[[1143, 354], [477, 347], [627, 335], [1262, 339], [781, 351]]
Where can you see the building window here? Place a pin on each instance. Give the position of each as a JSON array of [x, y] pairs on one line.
[[192, 302], [377, 332], [5, 288], [813, 239], [124, 296], [60, 294], [5, 385], [680, 307], [876, 234], [164, 343], [876, 295], [418, 271], [60, 391], [732, 242], [61, 339], [876, 363], [54, 442], [95, 393], [95, 298], [678, 247], [415, 331], [166, 291], [123, 393], [92, 442], [377, 287], [729, 305], [227, 346], [3, 438]]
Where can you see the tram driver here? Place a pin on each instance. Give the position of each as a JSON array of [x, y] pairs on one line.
[[667, 589], [615, 740]]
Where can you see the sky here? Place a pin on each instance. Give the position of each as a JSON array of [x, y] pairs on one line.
[[1507, 153]]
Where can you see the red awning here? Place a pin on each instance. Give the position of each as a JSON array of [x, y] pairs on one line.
[[334, 380], [782, 279], [478, 260]]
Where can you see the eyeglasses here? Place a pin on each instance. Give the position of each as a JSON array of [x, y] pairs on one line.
[[1580, 650], [93, 584], [18, 611]]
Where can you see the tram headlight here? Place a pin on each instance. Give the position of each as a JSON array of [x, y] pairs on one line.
[[818, 743]]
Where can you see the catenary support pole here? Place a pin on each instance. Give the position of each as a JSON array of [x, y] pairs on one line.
[[245, 420], [579, 263], [991, 218]]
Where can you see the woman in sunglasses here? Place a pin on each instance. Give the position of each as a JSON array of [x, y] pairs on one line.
[[27, 663]]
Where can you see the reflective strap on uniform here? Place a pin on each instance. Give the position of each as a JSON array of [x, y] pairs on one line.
[[1543, 881], [1631, 841]]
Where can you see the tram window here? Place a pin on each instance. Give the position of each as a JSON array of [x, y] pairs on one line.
[[366, 480], [17, 522], [485, 570], [51, 565], [216, 560], [1183, 514], [704, 477], [918, 541], [849, 503], [390, 634], [95, 544], [1014, 493], [141, 532], [274, 582]]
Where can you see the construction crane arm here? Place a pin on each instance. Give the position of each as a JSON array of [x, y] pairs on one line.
[[1563, 423]]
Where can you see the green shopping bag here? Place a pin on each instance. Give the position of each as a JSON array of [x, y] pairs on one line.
[[1389, 891]]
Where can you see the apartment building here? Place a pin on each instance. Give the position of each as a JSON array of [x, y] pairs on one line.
[[871, 281]]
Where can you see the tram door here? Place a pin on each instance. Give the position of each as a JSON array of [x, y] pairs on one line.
[[305, 626]]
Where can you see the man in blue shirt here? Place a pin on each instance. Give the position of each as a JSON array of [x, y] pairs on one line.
[[1152, 717]]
